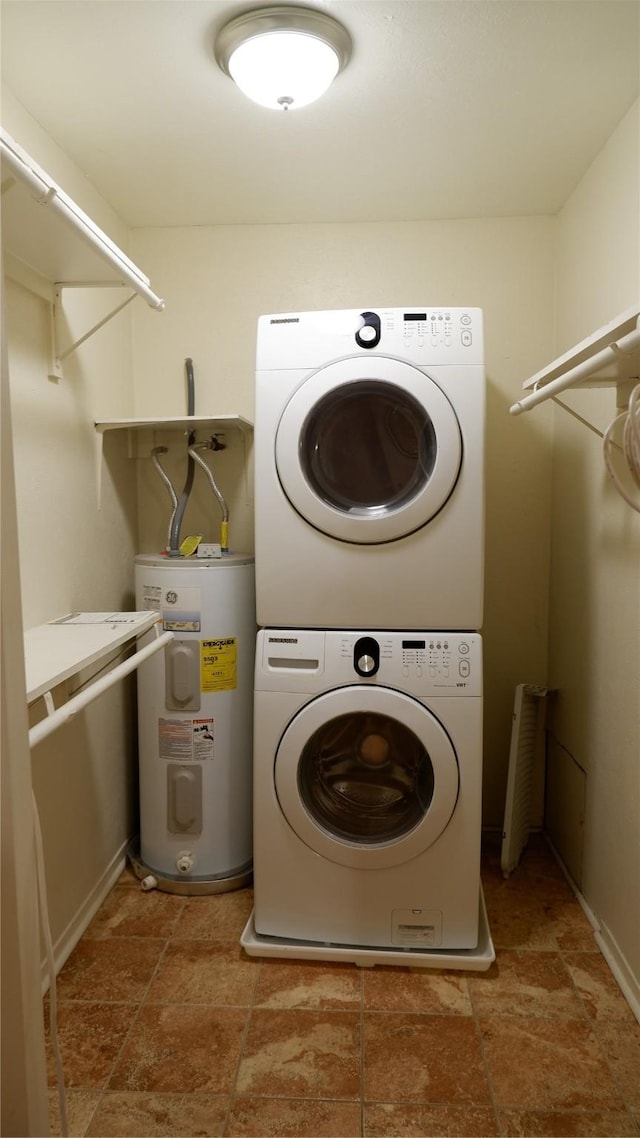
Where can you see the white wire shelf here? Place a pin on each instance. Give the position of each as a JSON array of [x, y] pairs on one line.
[[61, 648], [609, 357], [177, 423]]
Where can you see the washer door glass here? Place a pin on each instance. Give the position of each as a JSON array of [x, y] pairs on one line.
[[366, 776], [368, 450]]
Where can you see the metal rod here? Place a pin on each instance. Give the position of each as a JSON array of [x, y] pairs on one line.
[[73, 706], [50, 196]]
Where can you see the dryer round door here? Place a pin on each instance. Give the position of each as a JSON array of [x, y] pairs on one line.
[[368, 450], [366, 776]]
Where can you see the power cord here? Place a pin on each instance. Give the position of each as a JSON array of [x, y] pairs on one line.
[[53, 1002]]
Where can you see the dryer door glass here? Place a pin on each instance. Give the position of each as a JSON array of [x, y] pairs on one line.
[[368, 451], [368, 447], [366, 777]]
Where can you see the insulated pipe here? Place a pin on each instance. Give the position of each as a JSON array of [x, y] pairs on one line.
[[77, 703], [224, 526], [178, 513]]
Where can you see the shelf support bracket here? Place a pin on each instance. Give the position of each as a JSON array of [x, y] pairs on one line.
[[58, 356]]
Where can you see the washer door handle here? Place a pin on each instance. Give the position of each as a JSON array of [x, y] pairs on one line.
[[366, 656]]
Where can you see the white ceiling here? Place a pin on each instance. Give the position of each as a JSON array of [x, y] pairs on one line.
[[447, 108]]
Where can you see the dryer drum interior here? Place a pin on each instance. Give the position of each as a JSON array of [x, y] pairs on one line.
[[368, 445], [366, 777]]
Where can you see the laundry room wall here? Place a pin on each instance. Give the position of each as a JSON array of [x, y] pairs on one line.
[[218, 280], [594, 776], [73, 555]]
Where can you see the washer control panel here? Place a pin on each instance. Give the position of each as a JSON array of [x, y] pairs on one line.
[[419, 663]]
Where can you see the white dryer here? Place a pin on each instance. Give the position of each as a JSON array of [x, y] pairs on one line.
[[367, 788], [369, 469]]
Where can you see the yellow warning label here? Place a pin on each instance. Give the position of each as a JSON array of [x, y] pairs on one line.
[[218, 671]]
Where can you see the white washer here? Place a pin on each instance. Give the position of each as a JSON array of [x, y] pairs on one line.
[[367, 788], [369, 469]]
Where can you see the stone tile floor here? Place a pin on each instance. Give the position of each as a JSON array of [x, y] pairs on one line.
[[168, 1028]]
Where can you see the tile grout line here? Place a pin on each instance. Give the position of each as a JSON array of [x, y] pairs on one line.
[[102, 1091], [362, 1054], [245, 1034], [485, 1061]]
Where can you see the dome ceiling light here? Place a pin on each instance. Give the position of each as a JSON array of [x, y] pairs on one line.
[[283, 58]]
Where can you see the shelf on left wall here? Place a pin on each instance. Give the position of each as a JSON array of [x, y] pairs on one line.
[[62, 648], [51, 244]]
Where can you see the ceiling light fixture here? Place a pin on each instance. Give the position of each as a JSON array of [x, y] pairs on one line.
[[283, 57]]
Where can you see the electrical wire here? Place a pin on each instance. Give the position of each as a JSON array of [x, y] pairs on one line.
[[629, 423]]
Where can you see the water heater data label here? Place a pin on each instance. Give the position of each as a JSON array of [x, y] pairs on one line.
[[218, 664], [152, 597], [185, 740], [181, 609]]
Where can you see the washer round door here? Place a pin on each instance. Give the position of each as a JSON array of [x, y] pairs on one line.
[[368, 450], [366, 776]]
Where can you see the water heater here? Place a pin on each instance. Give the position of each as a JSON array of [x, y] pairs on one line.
[[195, 739]]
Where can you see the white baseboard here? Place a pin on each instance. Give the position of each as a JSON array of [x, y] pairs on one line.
[[628, 983], [615, 958], [69, 938]]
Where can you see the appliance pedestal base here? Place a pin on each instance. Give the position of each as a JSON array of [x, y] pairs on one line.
[[468, 959]]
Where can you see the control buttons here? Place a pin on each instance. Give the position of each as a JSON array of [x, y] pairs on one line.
[[463, 648], [369, 334], [366, 656], [466, 338], [466, 319], [464, 668]]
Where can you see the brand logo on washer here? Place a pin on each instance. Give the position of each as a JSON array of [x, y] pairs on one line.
[[283, 640], [286, 320], [171, 597]]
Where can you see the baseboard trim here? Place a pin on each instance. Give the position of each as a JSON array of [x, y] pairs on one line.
[[606, 942], [70, 936], [615, 958]]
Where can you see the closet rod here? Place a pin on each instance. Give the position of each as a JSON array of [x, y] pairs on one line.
[[78, 702], [626, 346], [49, 195]]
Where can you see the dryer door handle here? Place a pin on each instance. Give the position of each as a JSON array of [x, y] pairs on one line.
[[368, 336]]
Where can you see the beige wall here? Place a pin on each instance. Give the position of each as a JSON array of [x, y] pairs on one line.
[[595, 569], [217, 281], [74, 556]]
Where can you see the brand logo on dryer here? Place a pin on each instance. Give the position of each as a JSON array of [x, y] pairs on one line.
[[283, 640]]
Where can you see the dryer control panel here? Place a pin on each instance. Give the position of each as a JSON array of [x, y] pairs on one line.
[[418, 334], [420, 663]]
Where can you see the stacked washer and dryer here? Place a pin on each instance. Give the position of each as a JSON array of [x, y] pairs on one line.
[[369, 474]]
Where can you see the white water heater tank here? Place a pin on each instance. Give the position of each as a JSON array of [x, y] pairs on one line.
[[195, 713]]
